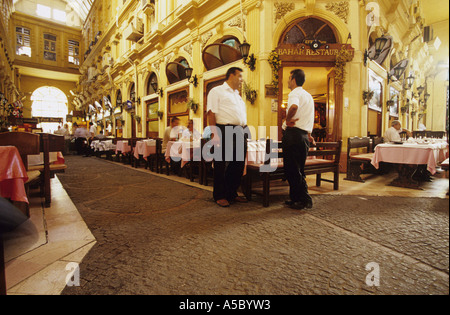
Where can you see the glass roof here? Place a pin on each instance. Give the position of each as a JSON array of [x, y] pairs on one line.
[[82, 7]]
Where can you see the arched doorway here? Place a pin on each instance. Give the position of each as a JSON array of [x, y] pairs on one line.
[[312, 44], [50, 107]]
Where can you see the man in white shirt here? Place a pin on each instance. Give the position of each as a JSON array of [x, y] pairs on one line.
[[393, 133], [169, 134], [296, 140], [227, 112]]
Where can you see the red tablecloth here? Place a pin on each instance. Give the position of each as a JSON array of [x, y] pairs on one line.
[[13, 174]]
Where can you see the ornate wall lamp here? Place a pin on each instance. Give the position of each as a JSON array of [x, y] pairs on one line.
[[409, 82], [380, 44], [249, 60], [154, 85], [396, 74], [191, 79]]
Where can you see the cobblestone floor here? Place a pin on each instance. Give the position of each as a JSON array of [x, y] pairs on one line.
[[156, 236]]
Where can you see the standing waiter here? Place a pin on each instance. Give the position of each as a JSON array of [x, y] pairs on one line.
[[296, 140], [227, 117]]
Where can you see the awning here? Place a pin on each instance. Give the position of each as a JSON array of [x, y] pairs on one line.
[[175, 72], [217, 55]]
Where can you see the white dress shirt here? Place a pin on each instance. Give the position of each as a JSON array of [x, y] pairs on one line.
[[227, 105], [392, 134], [305, 111], [93, 130]]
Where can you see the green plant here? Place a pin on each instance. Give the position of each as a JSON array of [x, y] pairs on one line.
[[192, 105], [275, 64], [250, 94], [343, 56], [367, 96]]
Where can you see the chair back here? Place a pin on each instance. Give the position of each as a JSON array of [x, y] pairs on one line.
[[356, 143], [27, 143]]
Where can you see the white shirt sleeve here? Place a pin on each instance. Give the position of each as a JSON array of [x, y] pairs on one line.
[[213, 101]]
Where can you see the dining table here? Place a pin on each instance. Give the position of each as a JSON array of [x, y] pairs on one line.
[[13, 175], [412, 159], [123, 146], [145, 148], [184, 151]]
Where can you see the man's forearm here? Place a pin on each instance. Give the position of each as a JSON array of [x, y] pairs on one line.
[[291, 113]]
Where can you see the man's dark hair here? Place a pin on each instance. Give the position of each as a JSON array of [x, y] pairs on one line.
[[91, 123], [175, 119], [299, 76], [75, 124], [231, 71]]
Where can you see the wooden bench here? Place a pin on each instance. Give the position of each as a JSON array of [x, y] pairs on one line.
[[355, 161], [27, 144], [275, 171]]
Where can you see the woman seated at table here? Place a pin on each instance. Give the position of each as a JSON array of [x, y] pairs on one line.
[[393, 133], [190, 132]]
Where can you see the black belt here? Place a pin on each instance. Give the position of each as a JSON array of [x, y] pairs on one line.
[[298, 129]]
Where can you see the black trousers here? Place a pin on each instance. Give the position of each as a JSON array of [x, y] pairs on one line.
[[295, 151], [229, 169]]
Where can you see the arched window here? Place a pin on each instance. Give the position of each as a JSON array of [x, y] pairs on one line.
[[151, 79], [232, 42], [309, 29], [132, 92], [49, 102], [119, 99]]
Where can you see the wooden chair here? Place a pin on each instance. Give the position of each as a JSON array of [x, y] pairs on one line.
[[419, 134], [275, 170], [27, 144], [206, 166], [49, 143], [356, 161], [152, 160], [435, 134]]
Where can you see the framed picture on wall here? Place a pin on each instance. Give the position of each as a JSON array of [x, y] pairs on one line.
[[394, 96], [376, 85]]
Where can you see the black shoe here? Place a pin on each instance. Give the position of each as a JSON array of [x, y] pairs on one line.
[[289, 202], [302, 205]]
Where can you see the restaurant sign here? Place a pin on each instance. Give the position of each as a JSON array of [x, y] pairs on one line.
[[305, 52], [50, 120]]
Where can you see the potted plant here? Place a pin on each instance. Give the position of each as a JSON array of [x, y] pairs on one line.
[[192, 105], [367, 96], [250, 94], [390, 103]]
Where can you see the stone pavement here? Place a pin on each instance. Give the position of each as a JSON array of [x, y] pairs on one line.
[[157, 236]]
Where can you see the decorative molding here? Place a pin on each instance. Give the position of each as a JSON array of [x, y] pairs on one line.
[[188, 48], [156, 65], [168, 57], [206, 37], [341, 9], [283, 8], [237, 22]]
